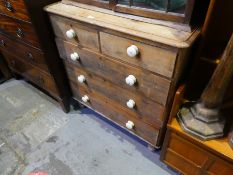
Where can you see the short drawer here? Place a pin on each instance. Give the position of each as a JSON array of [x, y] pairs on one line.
[[14, 8], [180, 146], [147, 84], [33, 74], [179, 163], [220, 167], [83, 35], [20, 30], [155, 59], [25, 52], [115, 112], [140, 107]]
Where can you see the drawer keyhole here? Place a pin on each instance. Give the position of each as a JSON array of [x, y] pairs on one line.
[[19, 33], [2, 43], [9, 6]]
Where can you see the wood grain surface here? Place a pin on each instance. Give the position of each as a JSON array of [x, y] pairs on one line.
[[24, 52], [115, 113], [18, 11], [10, 26], [148, 84], [145, 109], [32, 73]]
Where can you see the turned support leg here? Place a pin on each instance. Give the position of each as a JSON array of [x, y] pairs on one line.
[[203, 119]]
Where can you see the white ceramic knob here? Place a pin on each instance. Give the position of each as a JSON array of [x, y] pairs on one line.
[[70, 33], [129, 125], [131, 104], [74, 56], [132, 51], [130, 80], [81, 79], [85, 98]]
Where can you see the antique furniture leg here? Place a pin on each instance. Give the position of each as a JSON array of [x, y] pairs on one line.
[[203, 119]]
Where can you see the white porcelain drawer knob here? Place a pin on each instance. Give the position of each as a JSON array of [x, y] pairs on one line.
[[81, 79], [130, 80], [70, 33], [129, 125], [74, 56], [85, 98], [131, 104], [132, 51]]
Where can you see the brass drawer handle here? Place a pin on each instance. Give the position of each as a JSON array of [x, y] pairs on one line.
[[9, 6], [19, 33], [2, 43]]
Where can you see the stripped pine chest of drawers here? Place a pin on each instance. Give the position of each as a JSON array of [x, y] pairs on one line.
[[126, 70], [29, 49]]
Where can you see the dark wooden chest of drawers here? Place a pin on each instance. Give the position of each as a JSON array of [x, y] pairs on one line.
[[126, 70], [27, 45]]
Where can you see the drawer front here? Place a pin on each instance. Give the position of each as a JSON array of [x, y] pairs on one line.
[[220, 167], [33, 74], [21, 30], [152, 58], [147, 84], [115, 112], [14, 8], [180, 146], [143, 109], [179, 163], [27, 53], [85, 36]]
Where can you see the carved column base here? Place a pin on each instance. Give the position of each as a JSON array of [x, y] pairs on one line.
[[201, 122]]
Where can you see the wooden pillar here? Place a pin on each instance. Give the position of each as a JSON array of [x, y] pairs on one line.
[[203, 119]]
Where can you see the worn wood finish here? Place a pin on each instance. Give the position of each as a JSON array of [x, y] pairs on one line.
[[15, 9], [33, 74], [148, 84], [22, 31], [163, 61], [24, 52], [134, 28], [87, 37], [146, 110], [204, 157], [105, 64], [115, 113]]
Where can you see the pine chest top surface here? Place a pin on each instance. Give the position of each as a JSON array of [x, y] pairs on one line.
[[157, 33]]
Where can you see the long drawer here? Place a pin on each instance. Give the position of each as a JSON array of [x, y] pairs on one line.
[[87, 37], [144, 109], [155, 59], [24, 52], [32, 73], [15, 9], [147, 84], [22, 31], [115, 112]]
